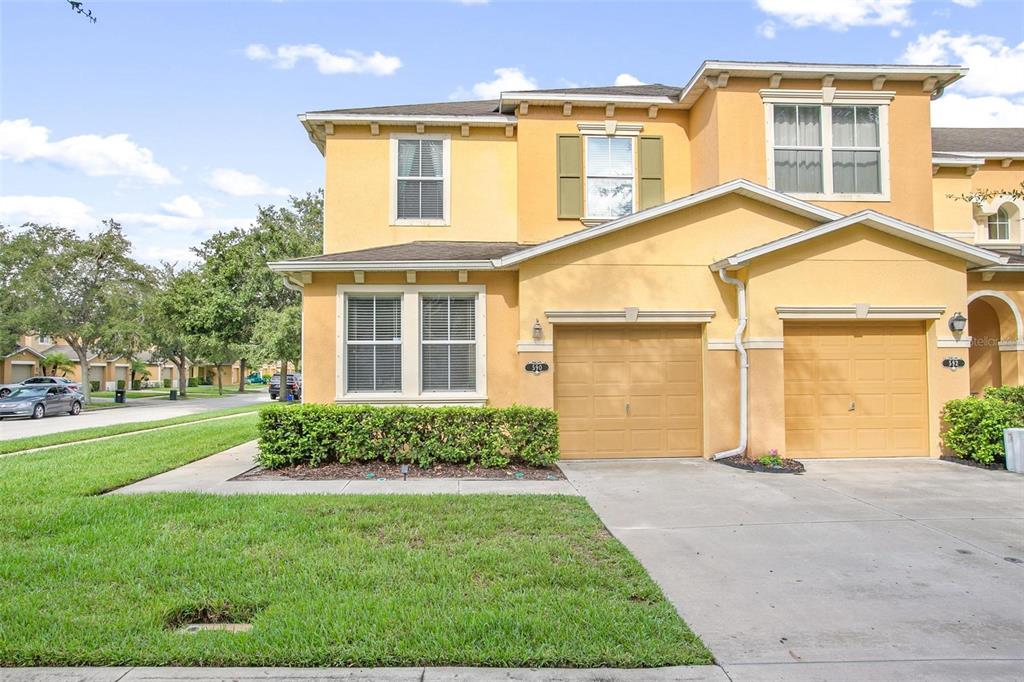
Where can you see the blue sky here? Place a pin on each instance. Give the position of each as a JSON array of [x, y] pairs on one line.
[[179, 118]]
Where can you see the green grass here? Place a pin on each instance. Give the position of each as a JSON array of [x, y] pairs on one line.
[[325, 580], [193, 391], [7, 446]]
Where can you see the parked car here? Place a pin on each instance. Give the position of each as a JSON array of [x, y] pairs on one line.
[[6, 389], [294, 385], [38, 400]]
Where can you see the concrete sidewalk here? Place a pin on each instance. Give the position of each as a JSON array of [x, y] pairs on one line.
[[216, 474], [701, 673]]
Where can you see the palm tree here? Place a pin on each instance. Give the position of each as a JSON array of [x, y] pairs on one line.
[[139, 369], [56, 362]]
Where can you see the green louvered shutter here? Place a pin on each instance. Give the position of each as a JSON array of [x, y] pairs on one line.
[[570, 176], [652, 172]]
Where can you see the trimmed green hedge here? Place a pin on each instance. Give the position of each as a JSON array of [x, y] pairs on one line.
[[974, 426], [487, 436]]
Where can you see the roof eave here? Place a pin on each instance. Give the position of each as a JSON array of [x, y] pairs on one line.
[[380, 265]]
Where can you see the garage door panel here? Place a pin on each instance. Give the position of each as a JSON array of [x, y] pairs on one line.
[[878, 367], [654, 370]]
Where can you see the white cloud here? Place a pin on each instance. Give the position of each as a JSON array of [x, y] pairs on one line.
[[766, 29], [628, 79], [164, 224], [113, 155], [956, 111], [996, 68], [838, 15], [507, 79], [351, 61], [63, 211], [184, 206], [239, 184], [967, 3]]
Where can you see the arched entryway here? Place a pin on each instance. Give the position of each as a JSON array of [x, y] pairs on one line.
[[996, 329]]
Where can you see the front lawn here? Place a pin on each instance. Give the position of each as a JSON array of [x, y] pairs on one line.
[[324, 580]]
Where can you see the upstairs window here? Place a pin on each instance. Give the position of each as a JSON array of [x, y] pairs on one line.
[[828, 150], [610, 176], [421, 179], [798, 149], [374, 344], [856, 152], [999, 225]]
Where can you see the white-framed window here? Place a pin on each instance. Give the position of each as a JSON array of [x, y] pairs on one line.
[[999, 225], [830, 145], [448, 342], [411, 343], [373, 340], [420, 179], [610, 166]]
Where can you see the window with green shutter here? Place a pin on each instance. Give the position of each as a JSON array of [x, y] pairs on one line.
[[570, 176], [651, 165]]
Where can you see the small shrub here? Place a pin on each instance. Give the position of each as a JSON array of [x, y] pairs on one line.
[[94, 385], [136, 385], [489, 436], [1008, 394], [770, 460], [120, 384], [166, 383], [974, 426], [192, 382]]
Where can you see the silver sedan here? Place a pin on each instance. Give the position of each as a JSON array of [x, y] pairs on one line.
[[38, 401]]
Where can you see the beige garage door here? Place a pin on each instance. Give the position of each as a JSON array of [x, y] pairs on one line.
[[21, 372], [856, 389], [628, 391]]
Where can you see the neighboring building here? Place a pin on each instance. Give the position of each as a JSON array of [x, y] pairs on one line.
[[590, 249]]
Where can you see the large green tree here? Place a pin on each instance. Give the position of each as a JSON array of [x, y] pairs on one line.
[[241, 289], [13, 255], [84, 290], [169, 308]]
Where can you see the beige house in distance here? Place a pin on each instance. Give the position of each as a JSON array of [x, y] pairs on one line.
[[762, 258]]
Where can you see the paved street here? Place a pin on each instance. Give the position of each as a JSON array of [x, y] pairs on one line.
[[138, 410], [858, 569]]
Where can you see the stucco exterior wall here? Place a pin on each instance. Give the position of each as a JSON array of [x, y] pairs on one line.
[[963, 220], [538, 165], [358, 182]]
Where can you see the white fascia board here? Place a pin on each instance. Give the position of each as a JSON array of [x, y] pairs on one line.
[[1007, 267], [743, 187], [410, 119], [348, 266], [898, 228], [695, 87], [513, 98], [956, 161], [24, 349]]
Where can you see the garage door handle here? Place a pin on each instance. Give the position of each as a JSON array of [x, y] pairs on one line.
[[853, 405], [627, 408]]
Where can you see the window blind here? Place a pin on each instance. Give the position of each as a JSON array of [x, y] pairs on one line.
[[421, 179], [609, 163], [448, 343], [374, 344]]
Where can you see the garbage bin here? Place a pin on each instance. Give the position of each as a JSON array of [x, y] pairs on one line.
[[174, 394], [119, 395]]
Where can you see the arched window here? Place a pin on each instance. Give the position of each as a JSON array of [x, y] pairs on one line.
[[999, 225]]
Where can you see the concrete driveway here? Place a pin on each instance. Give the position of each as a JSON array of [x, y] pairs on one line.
[[857, 569], [138, 410]]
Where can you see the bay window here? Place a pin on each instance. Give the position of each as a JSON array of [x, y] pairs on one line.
[[828, 148]]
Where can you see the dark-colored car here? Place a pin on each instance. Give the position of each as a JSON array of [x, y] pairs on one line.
[[294, 385], [39, 400]]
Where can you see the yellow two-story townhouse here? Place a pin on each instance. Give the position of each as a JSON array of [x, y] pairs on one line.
[[764, 258]]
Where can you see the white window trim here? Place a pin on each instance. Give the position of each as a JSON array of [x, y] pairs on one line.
[[586, 177], [446, 180], [412, 380], [826, 100]]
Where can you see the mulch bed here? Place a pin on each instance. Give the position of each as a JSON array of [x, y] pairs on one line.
[[390, 471], [789, 466], [995, 466]]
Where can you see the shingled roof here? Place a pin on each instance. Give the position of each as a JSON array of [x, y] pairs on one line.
[[420, 251], [473, 108], [977, 140]]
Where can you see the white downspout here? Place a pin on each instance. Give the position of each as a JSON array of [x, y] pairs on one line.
[[741, 309]]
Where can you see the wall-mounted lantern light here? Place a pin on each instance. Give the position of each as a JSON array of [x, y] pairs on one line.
[[538, 331], [957, 323]]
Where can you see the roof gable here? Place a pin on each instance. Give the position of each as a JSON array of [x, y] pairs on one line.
[[929, 238], [741, 187]]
